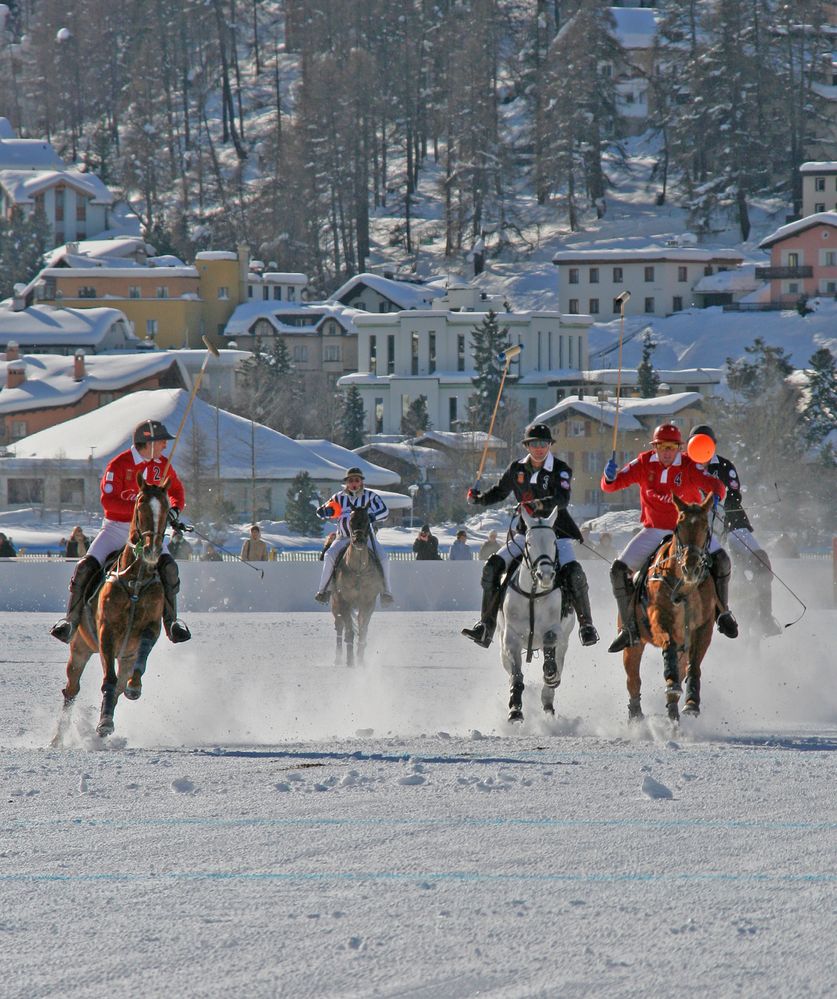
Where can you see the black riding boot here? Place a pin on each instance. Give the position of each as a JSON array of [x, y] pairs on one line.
[[577, 583], [492, 575], [720, 568], [623, 589], [170, 578], [86, 571], [763, 581]]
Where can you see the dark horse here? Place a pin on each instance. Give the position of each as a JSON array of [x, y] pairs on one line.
[[123, 619], [357, 583], [680, 612]]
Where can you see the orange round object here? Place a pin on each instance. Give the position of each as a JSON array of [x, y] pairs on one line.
[[700, 448], [335, 508]]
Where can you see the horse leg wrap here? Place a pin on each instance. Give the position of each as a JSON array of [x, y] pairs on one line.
[[671, 674], [550, 668]]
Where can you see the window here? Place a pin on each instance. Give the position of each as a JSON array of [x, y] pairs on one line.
[[87, 291], [265, 293], [249, 291], [301, 352], [819, 185], [649, 305], [708, 270], [819, 207], [81, 209], [831, 287], [431, 352], [414, 352], [19, 428], [533, 407], [373, 355], [452, 410], [460, 352], [617, 306], [26, 490], [291, 294], [793, 260], [383, 306], [576, 428], [390, 355], [573, 275], [72, 492], [594, 307], [59, 235], [793, 288], [682, 274], [331, 353], [573, 307], [594, 275], [677, 304], [617, 273], [151, 327], [379, 416], [162, 291], [59, 204], [134, 292], [649, 273], [277, 293], [224, 292], [830, 258]]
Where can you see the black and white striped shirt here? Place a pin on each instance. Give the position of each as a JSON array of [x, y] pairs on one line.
[[347, 502]]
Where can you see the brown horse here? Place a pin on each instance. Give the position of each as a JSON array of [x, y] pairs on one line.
[[680, 612], [357, 583], [123, 619]]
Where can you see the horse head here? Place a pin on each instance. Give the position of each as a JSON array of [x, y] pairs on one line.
[[539, 548], [148, 525], [691, 538], [359, 527]]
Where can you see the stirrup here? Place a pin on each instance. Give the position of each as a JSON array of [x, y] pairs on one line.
[[63, 630], [387, 600], [727, 625], [480, 633], [177, 631], [587, 634], [322, 597], [624, 640]]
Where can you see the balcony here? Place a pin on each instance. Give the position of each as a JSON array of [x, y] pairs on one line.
[[777, 273]]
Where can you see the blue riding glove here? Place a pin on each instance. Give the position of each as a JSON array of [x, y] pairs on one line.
[[611, 468]]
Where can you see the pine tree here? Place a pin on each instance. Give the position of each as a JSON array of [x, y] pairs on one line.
[[488, 340], [819, 417], [416, 420], [23, 240], [648, 381], [300, 510], [353, 419]]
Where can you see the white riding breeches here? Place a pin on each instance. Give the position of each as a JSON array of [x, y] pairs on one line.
[[643, 544], [514, 549], [340, 545], [113, 536], [743, 543]]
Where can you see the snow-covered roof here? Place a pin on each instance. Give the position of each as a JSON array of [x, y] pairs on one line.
[[278, 277], [375, 475], [99, 252], [404, 294], [216, 255], [421, 457], [819, 166], [680, 376], [651, 252], [800, 225], [28, 154], [630, 410], [636, 27], [23, 184], [45, 324], [49, 377], [108, 431], [741, 278], [245, 315], [472, 441]]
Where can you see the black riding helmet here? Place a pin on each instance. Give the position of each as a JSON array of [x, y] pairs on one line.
[[703, 428], [150, 430], [539, 432]]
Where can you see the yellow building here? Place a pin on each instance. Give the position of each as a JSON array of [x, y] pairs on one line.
[[172, 305]]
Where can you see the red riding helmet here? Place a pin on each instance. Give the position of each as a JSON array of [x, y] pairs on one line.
[[667, 433]]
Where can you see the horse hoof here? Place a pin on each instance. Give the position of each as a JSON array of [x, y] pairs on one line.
[[548, 709], [133, 693], [515, 715], [105, 727], [692, 709]]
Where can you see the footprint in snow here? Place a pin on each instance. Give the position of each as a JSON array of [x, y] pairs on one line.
[[654, 789], [182, 785], [412, 779]]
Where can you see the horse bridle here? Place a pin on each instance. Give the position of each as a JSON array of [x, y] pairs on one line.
[[531, 564]]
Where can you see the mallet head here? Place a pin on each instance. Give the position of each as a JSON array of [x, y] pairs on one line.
[[510, 353]]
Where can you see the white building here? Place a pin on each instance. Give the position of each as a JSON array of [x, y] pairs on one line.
[[266, 284], [819, 187], [429, 352], [34, 177], [661, 279]]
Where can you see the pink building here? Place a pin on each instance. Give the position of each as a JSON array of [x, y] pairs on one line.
[[803, 259]]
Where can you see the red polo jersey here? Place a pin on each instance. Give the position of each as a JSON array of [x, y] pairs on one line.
[[657, 483], [119, 484]]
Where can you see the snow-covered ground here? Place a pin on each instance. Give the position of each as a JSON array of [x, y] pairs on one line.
[[264, 823]]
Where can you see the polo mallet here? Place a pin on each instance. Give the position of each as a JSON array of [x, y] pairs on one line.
[[211, 351], [506, 356], [622, 298], [226, 551]]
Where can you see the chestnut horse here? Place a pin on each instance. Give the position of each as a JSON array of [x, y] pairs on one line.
[[357, 583], [679, 613], [123, 619]]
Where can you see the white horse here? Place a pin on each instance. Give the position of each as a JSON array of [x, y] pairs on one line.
[[531, 615]]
